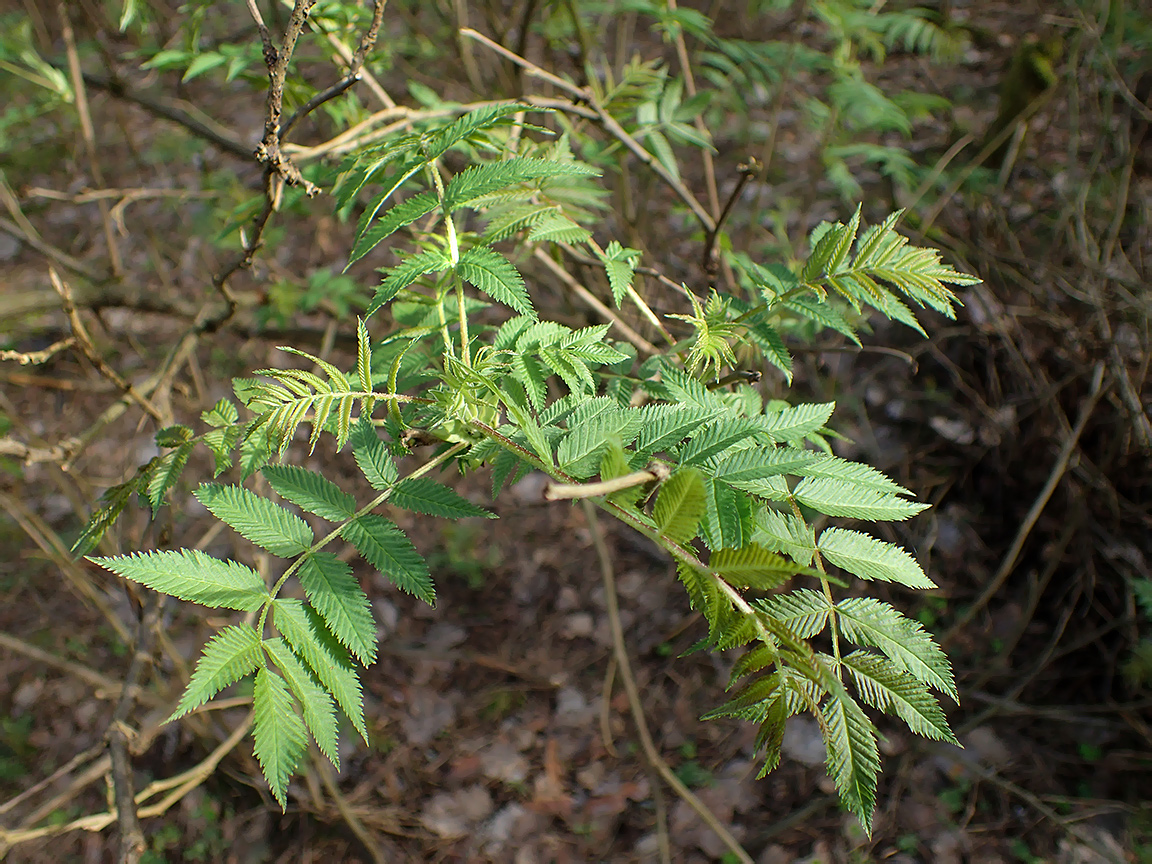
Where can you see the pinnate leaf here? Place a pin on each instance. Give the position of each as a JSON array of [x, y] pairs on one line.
[[680, 504], [494, 274], [229, 655], [422, 495], [853, 759], [867, 621], [264, 523], [279, 733], [334, 592], [385, 547], [193, 576], [305, 631], [753, 566], [888, 688], [310, 491], [371, 455], [869, 558], [316, 704], [842, 498]]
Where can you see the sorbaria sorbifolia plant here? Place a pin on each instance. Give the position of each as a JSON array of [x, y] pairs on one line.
[[730, 487]]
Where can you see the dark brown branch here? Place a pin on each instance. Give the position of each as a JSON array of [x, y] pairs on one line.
[[367, 43], [120, 89], [268, 152], [748, 170], [132, 845]]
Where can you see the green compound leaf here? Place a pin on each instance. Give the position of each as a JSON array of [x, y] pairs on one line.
[[663, 426], [727, 516], [371, 455], [310, 491], [882, 685], [744, 468], [174, 436], [760, 690], [804, 611], [165, 472], [311, 640], [793, 424], [856, 473], [866, 621], [783, 532], [402, 214], [494, 274], [230, 655], [407, 272], [334, 592], [620, 266], [869, 558], [753, 566], [853, 759], [488, 177], [422, 495], [319, 713], [385, 547], [264, 523], [280, 736], [193, 576], [842, 498], [680, 504]]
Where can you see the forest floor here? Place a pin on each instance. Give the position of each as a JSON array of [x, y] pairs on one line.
[[498, 726]]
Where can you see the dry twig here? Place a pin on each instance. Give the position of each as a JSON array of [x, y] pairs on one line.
[[620, 651], [1054, 477]]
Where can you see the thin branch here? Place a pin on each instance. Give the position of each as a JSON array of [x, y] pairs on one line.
[[89, 350], [49, 251], [701, 126], [620, 652], [1054, 477], [748, 170], [217, 136], [654, 473], [268, 152], [89, 136], [367, 43], [606, 120], [132, 845], [35, 358]]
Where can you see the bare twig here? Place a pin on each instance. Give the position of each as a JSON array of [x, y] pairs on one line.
[[1023, 117], [1043, 809], [132, 845], [105, 687], [367, 43], [35, 358], [181, 785], [211, 132], [52, 546], [606, 120], [620, 651], [748, 170], [50, 251], [89, 136], [1054, 477], [268, 152], [89, 350], [63, 770], [371, 846], [657, 471]]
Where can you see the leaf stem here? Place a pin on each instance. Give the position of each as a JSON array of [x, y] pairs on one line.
[[435, 461]]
